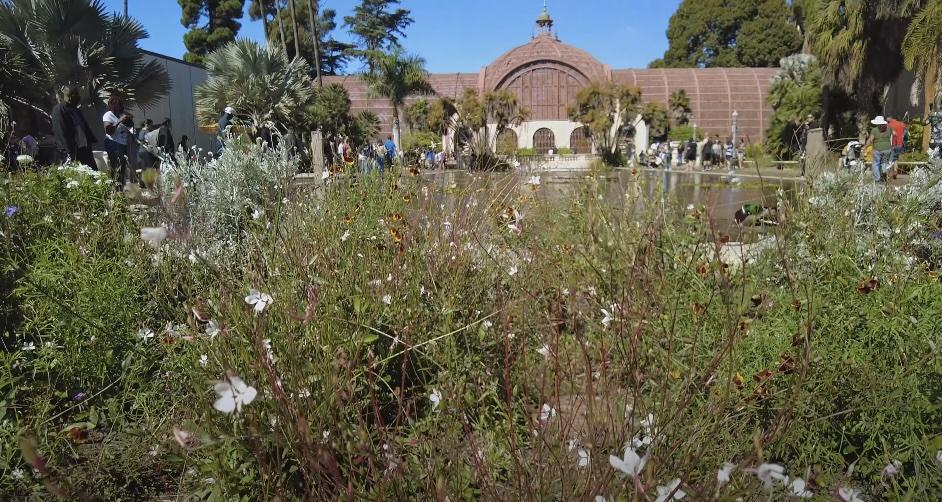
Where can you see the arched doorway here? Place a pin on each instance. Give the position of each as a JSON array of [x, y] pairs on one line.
[[507, 142], [579, 141], [543, 141]]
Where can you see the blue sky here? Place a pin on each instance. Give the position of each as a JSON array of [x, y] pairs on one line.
[[464, 35]]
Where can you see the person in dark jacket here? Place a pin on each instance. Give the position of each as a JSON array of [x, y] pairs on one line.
[[74, 138], [165, 138]]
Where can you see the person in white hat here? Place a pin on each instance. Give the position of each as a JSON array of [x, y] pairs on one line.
[[224, 122], [881, 139]]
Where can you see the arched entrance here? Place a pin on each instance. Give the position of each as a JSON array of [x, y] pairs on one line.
[[507, 142], [580, 142], [543, 141]]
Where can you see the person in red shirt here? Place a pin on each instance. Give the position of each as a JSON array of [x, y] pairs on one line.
[[899, 135]]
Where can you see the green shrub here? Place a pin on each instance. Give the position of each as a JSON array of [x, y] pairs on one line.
[[78, 286], [526, 152], [410, 339], [564, 151], [684, 133]]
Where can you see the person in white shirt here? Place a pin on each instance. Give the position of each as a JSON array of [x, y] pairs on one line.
[[117, 137]]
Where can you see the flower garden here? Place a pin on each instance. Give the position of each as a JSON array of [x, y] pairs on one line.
[[239, 336]]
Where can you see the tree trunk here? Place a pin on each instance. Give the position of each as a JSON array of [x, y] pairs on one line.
[[294, 25], [281, 26], [312, 12], [397, 132], [928, 96], [264, 7]]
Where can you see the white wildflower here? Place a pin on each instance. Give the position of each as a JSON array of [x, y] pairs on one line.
[[608, 315], [547, 413], [212, 329], [387, 299], [345, 236], [233, 395], [583, 457], [723, 475], [204, 360], [798, 488], [258, 300], [770, 474], [29, 347], [545, 350], [153, 235], [18, 473], [631, 464], [848, 494], [892, 469], [145, 334], [512, 271], [671, 491], [435, 397]]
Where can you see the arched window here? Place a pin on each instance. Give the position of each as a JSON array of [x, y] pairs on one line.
[[507, 142], [543, 141], [580, 141]]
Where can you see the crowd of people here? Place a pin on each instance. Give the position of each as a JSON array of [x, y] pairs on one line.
[[709, 153], [130, 149]]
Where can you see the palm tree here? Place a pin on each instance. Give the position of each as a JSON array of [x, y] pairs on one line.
[[73, 42], [259, 82], [922, 51], [396, 76], [679, 103], [504, 110], [657, 118], [858, 45]]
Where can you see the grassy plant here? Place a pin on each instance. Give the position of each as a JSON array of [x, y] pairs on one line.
[[412, 339]]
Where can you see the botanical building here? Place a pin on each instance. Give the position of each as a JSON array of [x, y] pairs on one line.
[[546, 74]]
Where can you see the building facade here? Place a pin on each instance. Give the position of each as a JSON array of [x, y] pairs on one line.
[[546, 74]]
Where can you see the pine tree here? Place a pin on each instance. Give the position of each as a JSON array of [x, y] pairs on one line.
[[212, 24], [333, 54], [377, 28]]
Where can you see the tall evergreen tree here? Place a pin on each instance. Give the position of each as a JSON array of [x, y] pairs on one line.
[[730, 33], [212, 24], [332, 54], [376, 26]]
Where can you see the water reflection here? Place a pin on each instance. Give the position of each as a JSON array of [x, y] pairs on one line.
[[722, 195]]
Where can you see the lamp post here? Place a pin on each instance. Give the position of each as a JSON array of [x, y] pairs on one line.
[[735, 127]]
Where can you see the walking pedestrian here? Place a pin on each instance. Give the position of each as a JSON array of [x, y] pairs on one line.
[[881, 139], [165, 138], [717, 150], [803, 130], [899, 136], [117, 138], [390, 151], [145, 151], [225, 120], [74, 138]]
